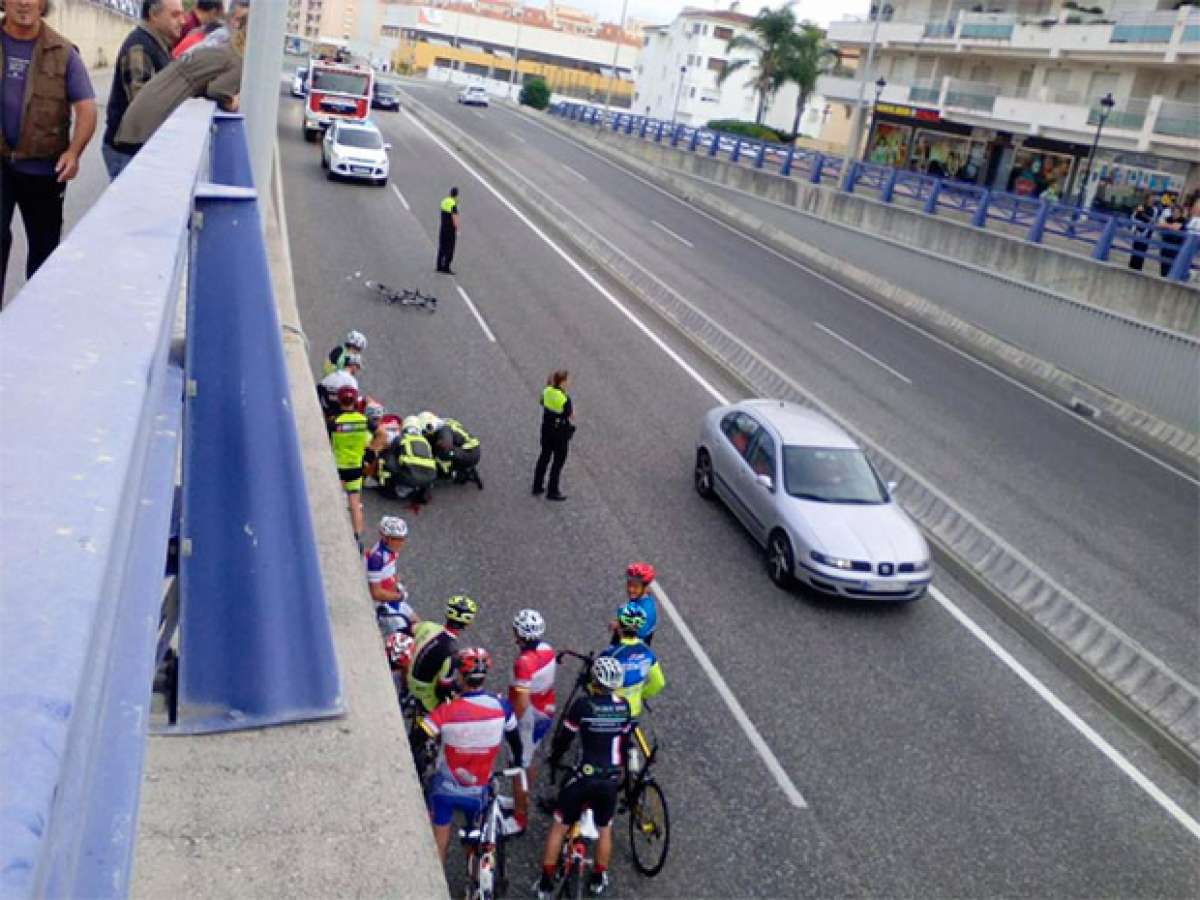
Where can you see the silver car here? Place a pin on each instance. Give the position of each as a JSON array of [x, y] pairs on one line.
[[809, 494]]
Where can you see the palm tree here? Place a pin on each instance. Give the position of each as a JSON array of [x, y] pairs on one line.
[[771, 33], [807, 58]]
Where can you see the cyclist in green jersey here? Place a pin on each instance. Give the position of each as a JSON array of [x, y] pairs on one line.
[[349, 438]]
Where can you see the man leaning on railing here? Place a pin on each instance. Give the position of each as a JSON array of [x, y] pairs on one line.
[[38, 152]]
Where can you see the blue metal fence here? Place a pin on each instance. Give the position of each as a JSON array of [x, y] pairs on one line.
[[92, 366], [1103, 232]]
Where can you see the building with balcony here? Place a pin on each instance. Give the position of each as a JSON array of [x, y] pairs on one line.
[[679, 67], [482, 39], [1007, 94]]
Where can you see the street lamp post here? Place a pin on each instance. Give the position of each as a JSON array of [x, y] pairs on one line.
[[880, 84], [1106, 105], [879, 12], [678, 95], [612, 75], [516, 59]]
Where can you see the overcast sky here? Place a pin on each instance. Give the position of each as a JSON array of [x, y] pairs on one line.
[[663, 11]]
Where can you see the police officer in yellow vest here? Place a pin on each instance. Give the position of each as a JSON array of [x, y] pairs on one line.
[[557, 430], [448, 232]]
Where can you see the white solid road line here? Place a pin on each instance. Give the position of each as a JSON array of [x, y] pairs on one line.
[[661, 227], [400, 197], [1114, 755], [487, 332], [857, 349], [739, 714], [871, 303], [578, 175], [962, 618], [516, 137]]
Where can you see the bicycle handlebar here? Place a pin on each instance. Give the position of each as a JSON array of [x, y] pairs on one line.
[[588, 658], [518, 773]]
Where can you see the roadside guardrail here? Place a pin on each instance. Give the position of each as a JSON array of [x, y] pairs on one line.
[[1101, 233], [95, 527]]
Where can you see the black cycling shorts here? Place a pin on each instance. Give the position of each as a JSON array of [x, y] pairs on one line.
[[597, 791]]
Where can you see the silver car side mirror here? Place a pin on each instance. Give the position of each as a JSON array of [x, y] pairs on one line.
[[387, 148], [765, 481]]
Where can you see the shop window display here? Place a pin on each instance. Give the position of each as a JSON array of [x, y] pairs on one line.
[[1036, 173]]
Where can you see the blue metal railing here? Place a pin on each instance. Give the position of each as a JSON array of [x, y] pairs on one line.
[[87, 517], [1037, 217]]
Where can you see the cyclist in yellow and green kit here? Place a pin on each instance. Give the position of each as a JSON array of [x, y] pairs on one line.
[[349, 437]]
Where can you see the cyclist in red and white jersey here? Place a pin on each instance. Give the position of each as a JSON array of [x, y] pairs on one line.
[[531, 693]]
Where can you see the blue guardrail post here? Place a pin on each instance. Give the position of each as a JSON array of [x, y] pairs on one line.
[[889, 186], [818, 163], [979, 220], [1181, 268], [852, 178], [695, 142], [1105, 242], [931, 202], [737, 150], [1038, 227], [788, 160], [245, 517]]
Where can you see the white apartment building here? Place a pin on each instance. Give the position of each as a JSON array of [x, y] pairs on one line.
[[1006, 93], [681, 62]]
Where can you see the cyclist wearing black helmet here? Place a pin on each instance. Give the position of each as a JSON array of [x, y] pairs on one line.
[[602, 719]]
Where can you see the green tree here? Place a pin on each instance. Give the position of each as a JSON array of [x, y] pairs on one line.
[[769, 41], [535, 93], [806, 57]]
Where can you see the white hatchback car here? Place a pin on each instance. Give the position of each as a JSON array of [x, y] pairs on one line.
[[473, 95], [355, 150], [808, 493]]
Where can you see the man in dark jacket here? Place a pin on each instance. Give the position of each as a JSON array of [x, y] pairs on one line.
[[146, 51], [38, 152]]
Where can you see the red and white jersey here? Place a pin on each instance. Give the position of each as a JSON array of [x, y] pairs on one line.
[[381, 568], [471, 729], [534, 672]]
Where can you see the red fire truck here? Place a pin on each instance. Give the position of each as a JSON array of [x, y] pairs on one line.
[[336, 90]]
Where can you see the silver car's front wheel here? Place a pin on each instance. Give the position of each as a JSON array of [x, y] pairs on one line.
[[703, 475], [779, 559]]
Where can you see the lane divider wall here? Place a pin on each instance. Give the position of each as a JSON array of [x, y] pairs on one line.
[[1129, 680]]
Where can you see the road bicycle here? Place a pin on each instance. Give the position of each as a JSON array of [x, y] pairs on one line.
[[641, 796], [577, 858], [403, 296], [487, 875]]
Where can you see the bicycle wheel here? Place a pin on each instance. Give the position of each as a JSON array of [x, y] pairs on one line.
[[649, 827]]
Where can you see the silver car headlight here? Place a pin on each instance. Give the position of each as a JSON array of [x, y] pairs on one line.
[[834, 561]]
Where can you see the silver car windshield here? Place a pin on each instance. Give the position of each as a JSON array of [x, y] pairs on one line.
[[831, 476], [367, 140]]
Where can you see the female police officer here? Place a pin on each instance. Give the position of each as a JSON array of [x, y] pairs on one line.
[[557, 430]]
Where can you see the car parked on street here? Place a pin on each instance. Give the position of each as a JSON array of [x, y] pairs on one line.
[[385, 96], [300, 82], [807, 493], [355, 150], [473, 95]]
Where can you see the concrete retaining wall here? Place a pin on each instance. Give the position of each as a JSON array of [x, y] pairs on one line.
[[1110, 286], [96, 31]]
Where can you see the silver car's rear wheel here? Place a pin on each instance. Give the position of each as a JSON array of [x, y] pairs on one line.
[[779, 559], [703, 475]]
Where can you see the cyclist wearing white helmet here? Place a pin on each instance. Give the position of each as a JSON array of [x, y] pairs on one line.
[[328, 387], [356, 342], [531, 693], [602, 720], [384, 584]]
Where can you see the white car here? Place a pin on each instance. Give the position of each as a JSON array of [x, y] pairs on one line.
[[809, 494], [300, 82], [355, 150], [473, 95]]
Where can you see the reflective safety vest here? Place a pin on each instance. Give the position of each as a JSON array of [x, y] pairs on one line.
[[414, 451], [462, 438], [449, 205], [554, 399], [350, 437]]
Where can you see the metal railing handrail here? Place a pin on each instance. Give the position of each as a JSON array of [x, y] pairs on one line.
[[1104, 232]]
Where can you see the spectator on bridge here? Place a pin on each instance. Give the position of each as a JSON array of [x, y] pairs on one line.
[[1144, 216], [145, 53], [1171, 220], [238, 11], [212, 72], [39, 153], [203, 20]]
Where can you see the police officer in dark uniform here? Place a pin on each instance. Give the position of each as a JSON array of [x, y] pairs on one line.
[[557, 430], [448, 232]]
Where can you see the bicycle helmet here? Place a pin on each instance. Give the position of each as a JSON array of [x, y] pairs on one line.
[[640, 571], [608, 672], [357, 340], [473, 664], [393, 527], [352, 359], [461, 609], [631, 617], [374, 412], [400, 648], [529, 625], [347, 396]]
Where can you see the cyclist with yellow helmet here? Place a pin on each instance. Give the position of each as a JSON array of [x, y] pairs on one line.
[[431, 672]]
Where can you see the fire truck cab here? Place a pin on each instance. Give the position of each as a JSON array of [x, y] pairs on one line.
[[337, 89]]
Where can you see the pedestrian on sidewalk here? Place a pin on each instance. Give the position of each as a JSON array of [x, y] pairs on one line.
[[557, 431], [448, 232], [145, 52], [211, 72], [39, 153]]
